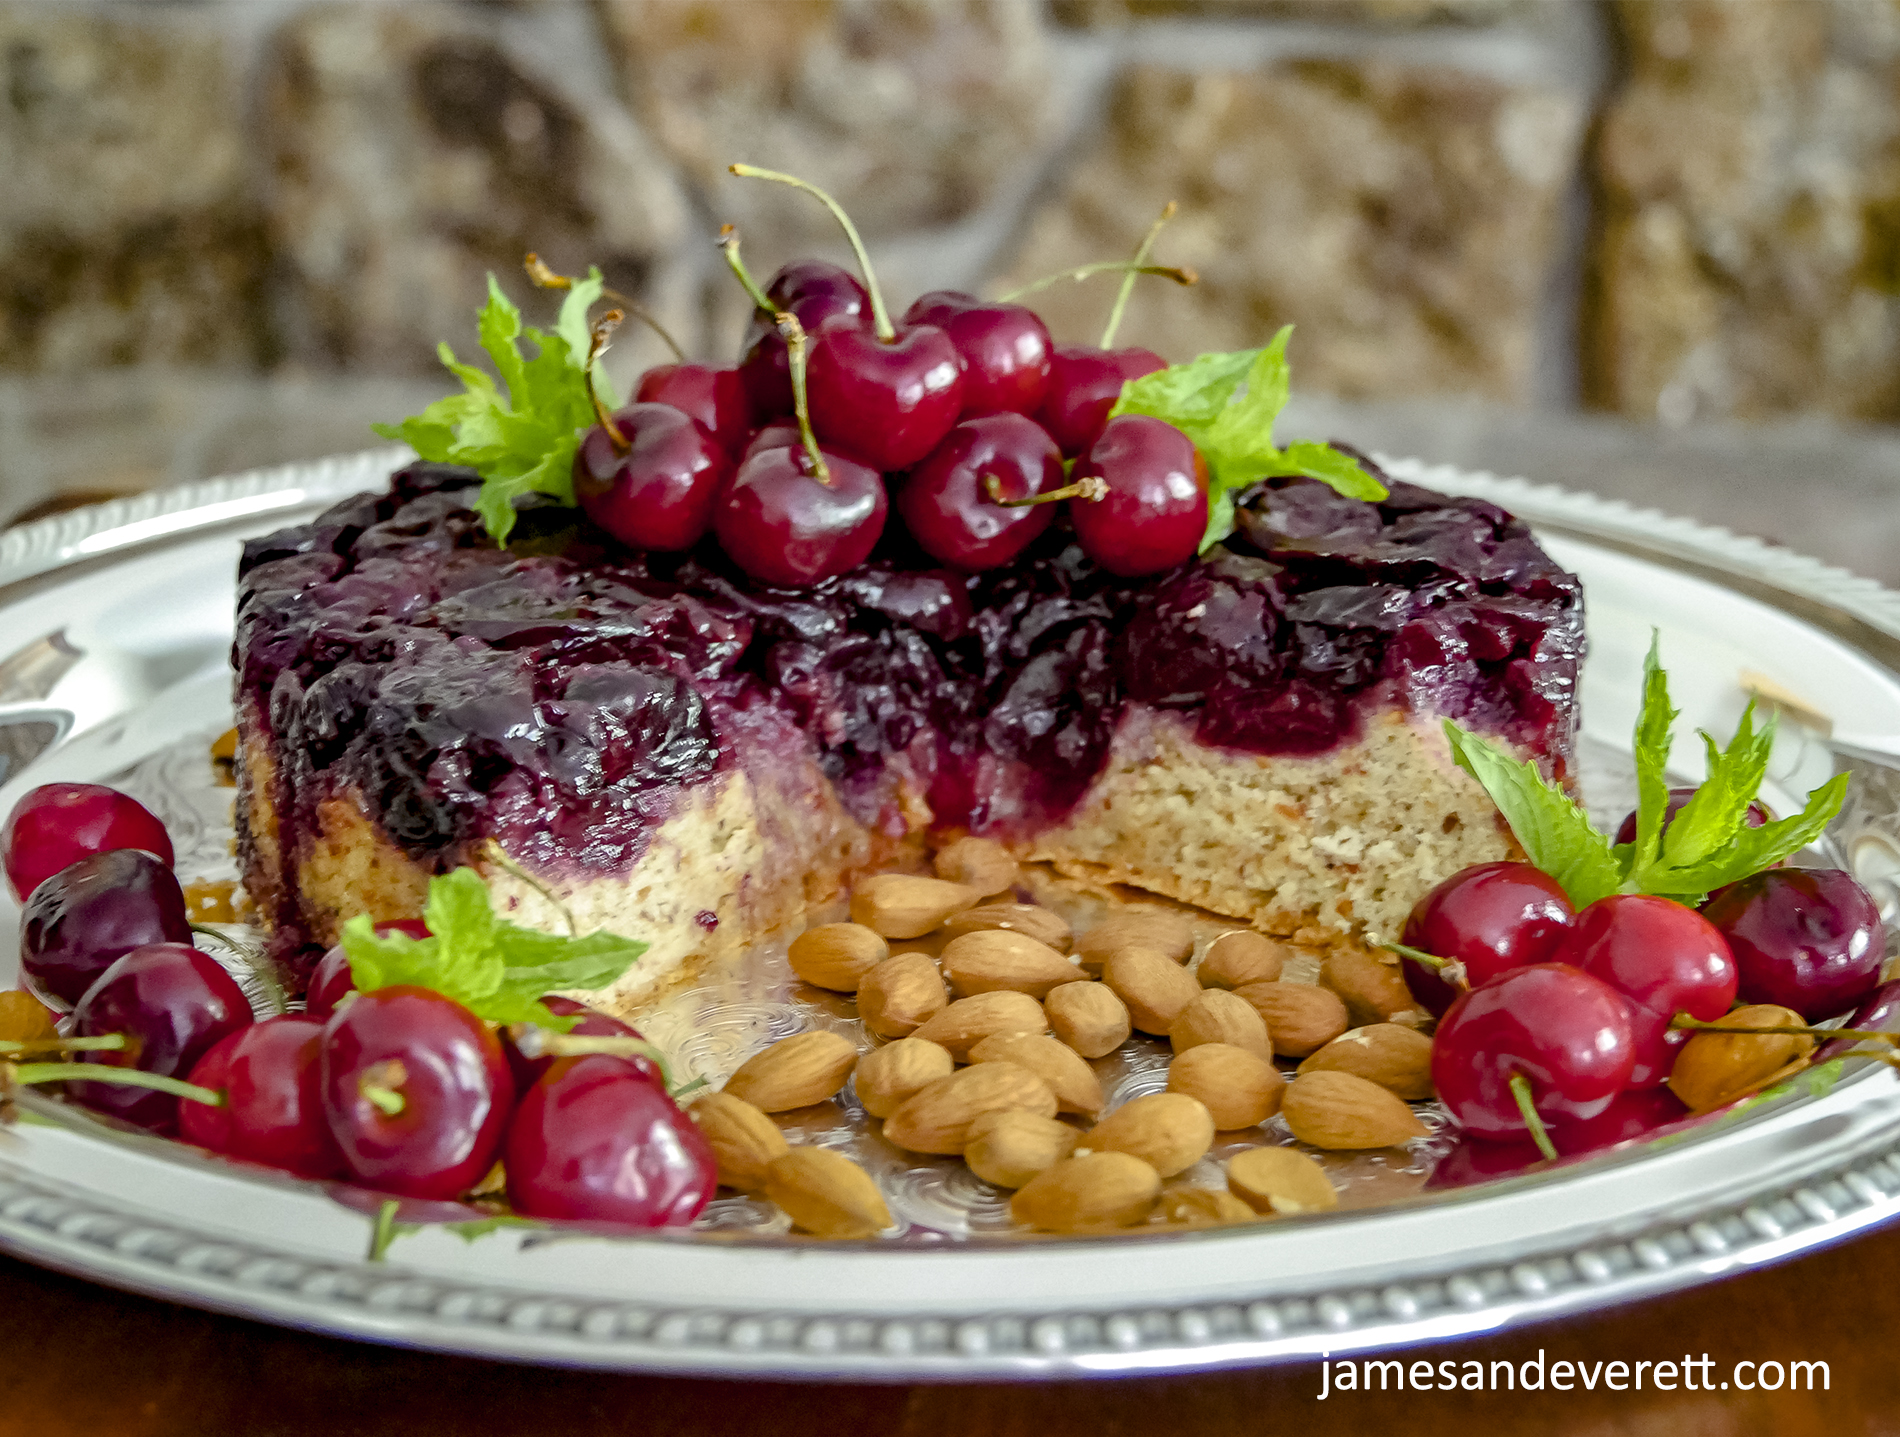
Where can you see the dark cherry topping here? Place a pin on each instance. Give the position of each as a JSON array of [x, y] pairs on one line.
[[556, 694]]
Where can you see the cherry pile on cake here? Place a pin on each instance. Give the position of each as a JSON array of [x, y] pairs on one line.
[[738, 647]]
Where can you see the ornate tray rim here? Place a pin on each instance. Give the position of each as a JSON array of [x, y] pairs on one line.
[[1836, 1193]]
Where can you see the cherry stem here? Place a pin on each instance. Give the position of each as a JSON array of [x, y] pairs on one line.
[[103, 1073], [1091, 488], [601, 331], [729, 243], [498, 856], [1128, 280], [385, 1232], [1449, 969], [1682, 1021], [886, 331], [381, 1084], [537, 1042], [104, 1043], [545, 278], [795, 343], [1521, 1090], [1179, 274]]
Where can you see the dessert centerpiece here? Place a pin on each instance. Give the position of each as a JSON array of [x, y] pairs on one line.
[[941, 616]]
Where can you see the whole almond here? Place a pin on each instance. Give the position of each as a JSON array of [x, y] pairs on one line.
[[1712, 1070], [900, 994], [888, 1075], [1238, 1088], [1280, 1182], [1073, 1081], [1044, 925], [1301, 1018], [1165, 933], [744, 1141], [794, 1072], [1183, 1206], [1154, 987], [1168, 1131], [1242, 956], [937, 1119], [1342, 1112], [825, 1193], [979, 863], [1370, 983], [1011, 1146], [1089, 1018], [1397, 1058], [1097, 1192], [968, 1021], [898, 905], [998, 961], [1215, 1015], [837, 955]]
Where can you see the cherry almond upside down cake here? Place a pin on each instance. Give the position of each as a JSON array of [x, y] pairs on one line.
[[682, 669]]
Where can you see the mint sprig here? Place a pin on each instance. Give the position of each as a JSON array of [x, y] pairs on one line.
[[1227, 404], [521, 439], [492, 967], [1707, 845]]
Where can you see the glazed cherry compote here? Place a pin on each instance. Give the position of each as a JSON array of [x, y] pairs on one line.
[[55, 825], [416, 1091], [1488, 917], [175, 1003], [273, 1099], [79, 922]]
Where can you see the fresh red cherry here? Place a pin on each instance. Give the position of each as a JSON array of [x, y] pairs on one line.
[[174, 1003], [812, 290], [783, 525], [1632, 1116], [1876, 1011], [779, 434], [1809, 939], [888, 401], [946, 502], [598, 1140], [1488, 917], [55, 825], [332, 977], [273, 1101], [81, 920], [653, 487], [1004, 349], [1566, 1033], [1665, 959], [1084, 384], [1154, 514], [1626, 832], [592, 1024], [715, 396], [416, 1091]]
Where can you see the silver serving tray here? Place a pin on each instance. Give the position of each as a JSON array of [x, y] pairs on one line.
[[118, 621]]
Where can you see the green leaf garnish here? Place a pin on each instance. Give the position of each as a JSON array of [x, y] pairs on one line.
[[1557, 836], [1227, 404], [520, 439], [1707, 845], [492, 967]]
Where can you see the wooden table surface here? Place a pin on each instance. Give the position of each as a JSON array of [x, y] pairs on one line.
[[78, 1359]]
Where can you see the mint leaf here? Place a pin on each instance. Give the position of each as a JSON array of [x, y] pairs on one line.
[[1719, 810], [494, 968], [1227, 404], [519, 436], [1651, 744], [1553, 831], [1752, 849]]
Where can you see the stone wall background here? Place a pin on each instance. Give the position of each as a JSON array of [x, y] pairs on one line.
[[1650, 247]]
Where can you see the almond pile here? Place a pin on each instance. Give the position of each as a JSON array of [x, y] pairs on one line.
[[988, 1019]]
